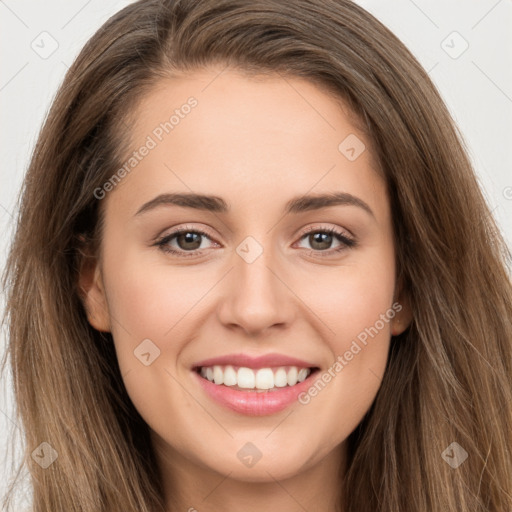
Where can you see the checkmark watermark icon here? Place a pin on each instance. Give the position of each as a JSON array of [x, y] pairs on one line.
[[454, 455], [45, 45], [454, 45]]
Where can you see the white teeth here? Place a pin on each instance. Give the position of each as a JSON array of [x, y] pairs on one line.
[[303, 373], [280, 380], [292, 376], [245, 378], [263, 378], [218, 375], [229, 376]]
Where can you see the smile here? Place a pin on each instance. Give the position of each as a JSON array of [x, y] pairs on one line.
[[243, 378], [254, 386]]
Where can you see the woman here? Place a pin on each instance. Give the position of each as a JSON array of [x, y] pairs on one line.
[[368, 370]]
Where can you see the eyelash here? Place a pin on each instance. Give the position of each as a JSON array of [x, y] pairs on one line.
[[346, 242]]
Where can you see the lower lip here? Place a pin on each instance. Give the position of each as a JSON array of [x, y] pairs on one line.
[[255, 403]]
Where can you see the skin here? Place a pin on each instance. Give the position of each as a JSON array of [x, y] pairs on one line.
[[256, 143]]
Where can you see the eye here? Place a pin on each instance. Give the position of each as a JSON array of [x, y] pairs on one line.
[[188, 240], [321, 240]]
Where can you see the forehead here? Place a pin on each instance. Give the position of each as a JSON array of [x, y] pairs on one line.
[[236, 103], [226, 133]]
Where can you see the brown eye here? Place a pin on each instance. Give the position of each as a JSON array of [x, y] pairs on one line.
[[321, 240], [183, 242], [188, 241]]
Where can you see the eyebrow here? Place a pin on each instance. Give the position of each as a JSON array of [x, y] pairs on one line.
[[216, 204]]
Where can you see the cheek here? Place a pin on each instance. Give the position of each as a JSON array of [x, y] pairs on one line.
[[150, 301], [155, 303], [364, 296], [154, 300], [351, 298], [357, 306]]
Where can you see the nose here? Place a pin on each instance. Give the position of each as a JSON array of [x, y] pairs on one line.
[[256, 296]]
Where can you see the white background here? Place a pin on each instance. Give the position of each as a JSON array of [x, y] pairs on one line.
[[477, 87]]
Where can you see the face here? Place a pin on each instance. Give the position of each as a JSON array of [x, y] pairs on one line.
[[266, 283]]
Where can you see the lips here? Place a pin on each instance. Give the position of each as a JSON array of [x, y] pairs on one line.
[[265, 361], [254, 385]]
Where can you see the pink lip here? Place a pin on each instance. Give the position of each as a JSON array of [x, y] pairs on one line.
[[254, 403], [247, 361]]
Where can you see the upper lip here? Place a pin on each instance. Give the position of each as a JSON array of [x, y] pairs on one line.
[[247, 361]]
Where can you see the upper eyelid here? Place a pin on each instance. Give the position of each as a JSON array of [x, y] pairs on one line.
[[323, 228]]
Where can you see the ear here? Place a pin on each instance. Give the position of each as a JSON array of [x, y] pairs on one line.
[[403, 317], [92, 292]]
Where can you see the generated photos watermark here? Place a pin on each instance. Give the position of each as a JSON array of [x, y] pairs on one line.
[[151, 142], [343, 360]]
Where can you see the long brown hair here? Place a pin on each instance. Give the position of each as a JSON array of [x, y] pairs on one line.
[[448, 377]]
